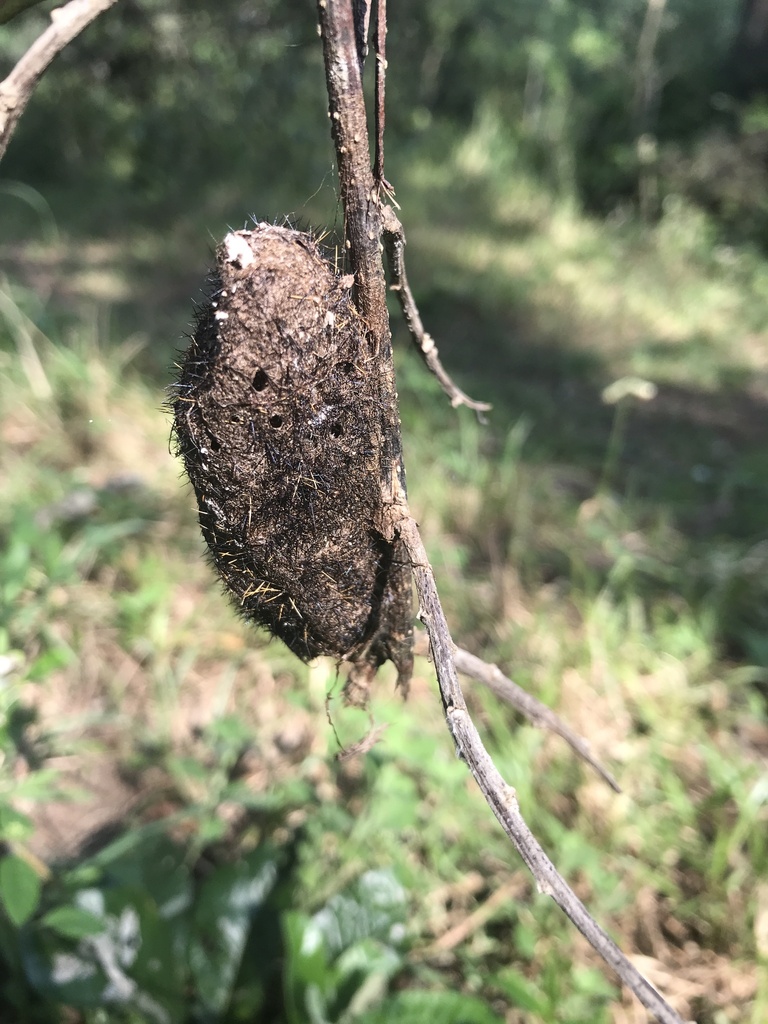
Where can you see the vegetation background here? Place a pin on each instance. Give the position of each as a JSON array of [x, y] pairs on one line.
[[583, 184]]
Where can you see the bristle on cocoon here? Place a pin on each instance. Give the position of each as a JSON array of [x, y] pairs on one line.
[[278, 418]]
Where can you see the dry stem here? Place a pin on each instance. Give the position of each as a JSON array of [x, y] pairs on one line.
[[394, 242], [501, 797], [363, 216], [538, 714], [17, 88]]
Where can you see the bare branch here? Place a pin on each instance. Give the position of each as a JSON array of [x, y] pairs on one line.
[[362, 217], [364, 228], [538, 714], [362, 211], [362, 17], [501, 797], [380, 48], [394, 242], [16, 90]]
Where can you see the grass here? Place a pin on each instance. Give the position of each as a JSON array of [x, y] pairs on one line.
[[611, 557]]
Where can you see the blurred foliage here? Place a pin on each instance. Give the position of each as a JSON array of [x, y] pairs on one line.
[[160, 94]]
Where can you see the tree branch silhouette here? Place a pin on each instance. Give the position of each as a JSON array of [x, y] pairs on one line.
[[16, 90]]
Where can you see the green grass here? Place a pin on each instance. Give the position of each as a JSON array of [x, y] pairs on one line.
[[611, 558]]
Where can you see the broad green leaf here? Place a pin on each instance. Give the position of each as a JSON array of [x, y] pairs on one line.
[[73, 922], [414, 1007], [19, 889], [221, 924], [368, 909], [307, 975]]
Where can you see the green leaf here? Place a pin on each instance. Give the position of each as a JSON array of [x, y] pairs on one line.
[[414, 1007], [73, 922], [221, 922], [306, 968], [187, 769], [48, 662], [593, 983], [14, 826], [371, 907], [19, 889], [230, 731], [523, 993]]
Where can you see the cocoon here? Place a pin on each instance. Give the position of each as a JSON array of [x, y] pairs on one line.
[[280, 418]]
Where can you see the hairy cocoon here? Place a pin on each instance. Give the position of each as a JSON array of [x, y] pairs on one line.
[[278, 418]]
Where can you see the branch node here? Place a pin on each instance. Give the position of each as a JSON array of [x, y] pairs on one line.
[[394, 243]]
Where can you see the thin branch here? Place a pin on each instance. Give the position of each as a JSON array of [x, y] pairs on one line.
[[349, 127], [538, 714], [394, 243], [380, 49], [16, 90], [361, 10], [362, 212], [501, 797], [364, 228]]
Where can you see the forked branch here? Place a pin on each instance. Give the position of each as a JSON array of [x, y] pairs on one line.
[[538, 714], [364, 226], [16, 90], [394, 243], [501, 797]]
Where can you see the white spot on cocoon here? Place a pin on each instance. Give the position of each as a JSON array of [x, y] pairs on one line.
[[237, 250], [330, 318], [221, 315], [320, 417]]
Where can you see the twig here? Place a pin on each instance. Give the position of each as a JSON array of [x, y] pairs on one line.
[[362, 212], [501, 797], [361, 12], [364, 227], [477, 919], [17, 88], [380, 49], [394, 243], [538, 714]]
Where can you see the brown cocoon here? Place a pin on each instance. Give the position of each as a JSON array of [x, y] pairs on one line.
[[278, 415]]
